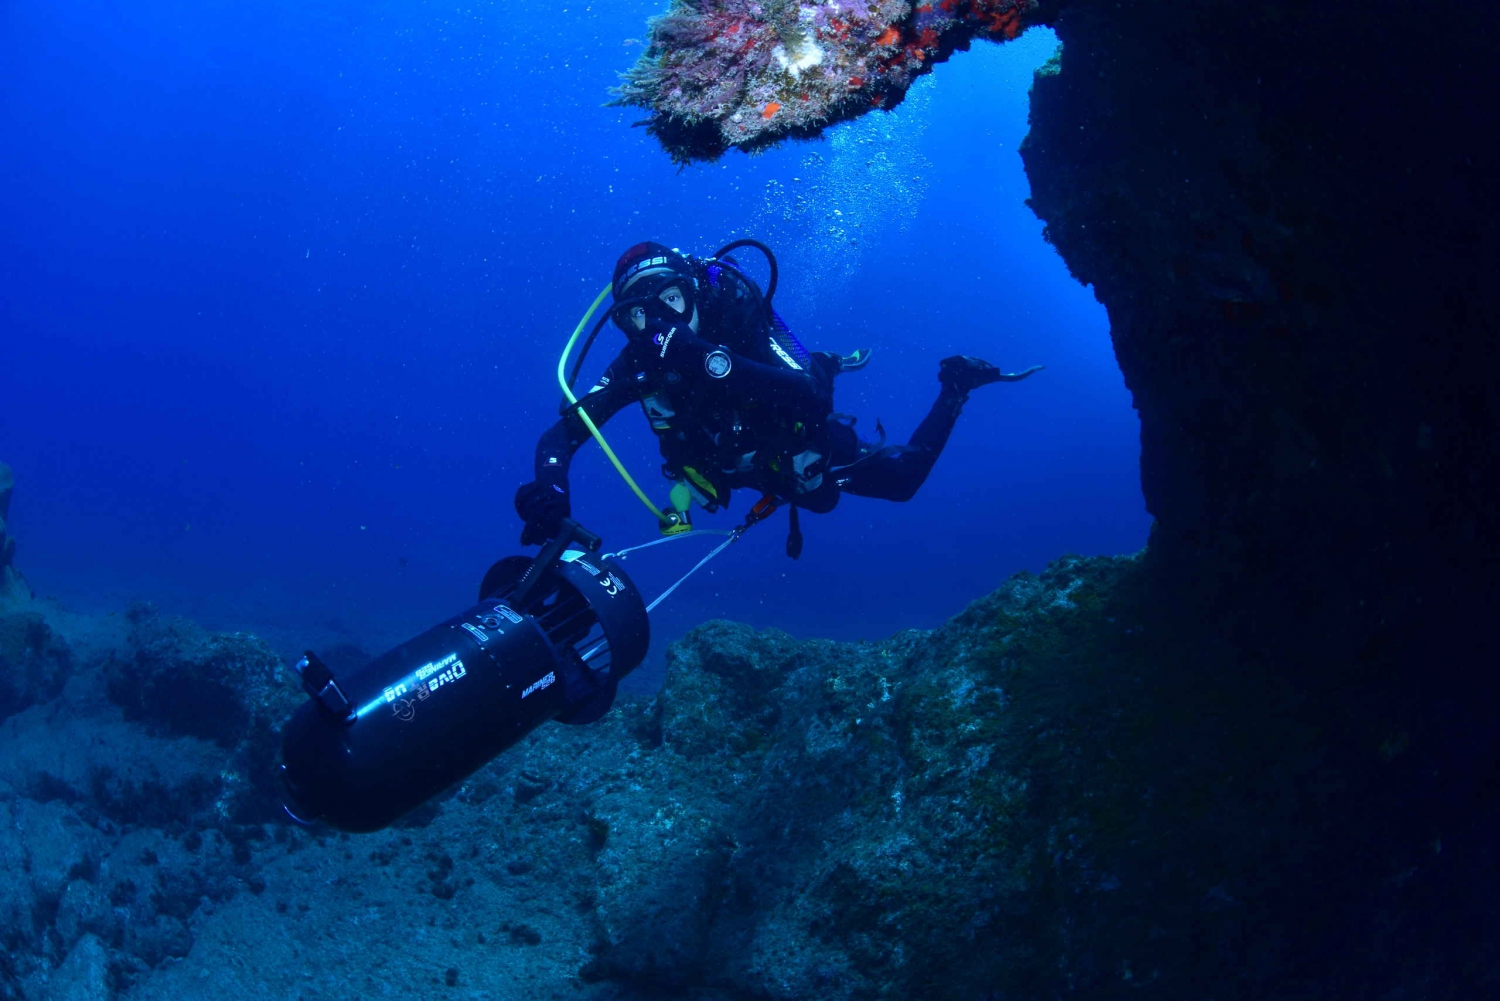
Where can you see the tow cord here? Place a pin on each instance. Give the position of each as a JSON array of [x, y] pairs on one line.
[[734, 536]]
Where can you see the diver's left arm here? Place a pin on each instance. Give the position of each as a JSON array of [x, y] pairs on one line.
[[545, 501]]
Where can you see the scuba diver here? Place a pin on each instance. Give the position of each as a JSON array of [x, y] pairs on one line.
[[735, 400]]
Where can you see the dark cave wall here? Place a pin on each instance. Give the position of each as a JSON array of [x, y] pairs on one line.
[[1289, 211]]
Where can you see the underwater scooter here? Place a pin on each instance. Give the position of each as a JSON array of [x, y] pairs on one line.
[[550, 638]]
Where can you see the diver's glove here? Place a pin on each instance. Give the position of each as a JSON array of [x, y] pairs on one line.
[[678, 348], [542, 506], [661, 344], [962, 374]]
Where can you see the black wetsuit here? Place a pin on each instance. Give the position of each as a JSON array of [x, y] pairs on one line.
[[767, 423]]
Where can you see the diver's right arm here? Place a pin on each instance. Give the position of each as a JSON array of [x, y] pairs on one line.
[[545, 501]]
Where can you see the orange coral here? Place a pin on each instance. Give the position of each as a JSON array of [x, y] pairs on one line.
[[888, 37], [770, 110], [1002, 19]]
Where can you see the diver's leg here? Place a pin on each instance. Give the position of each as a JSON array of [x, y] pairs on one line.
[[898, 474], [892, 476]]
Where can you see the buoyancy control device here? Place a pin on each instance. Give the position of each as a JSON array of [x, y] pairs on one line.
[[550, 639]]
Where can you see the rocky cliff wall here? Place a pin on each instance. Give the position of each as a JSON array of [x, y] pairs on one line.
[[1290, 212]]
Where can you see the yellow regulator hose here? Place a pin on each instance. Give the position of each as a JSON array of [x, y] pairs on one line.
[[588, 422]]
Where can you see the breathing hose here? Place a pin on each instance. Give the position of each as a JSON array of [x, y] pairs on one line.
[[588, 422], [770, 260]]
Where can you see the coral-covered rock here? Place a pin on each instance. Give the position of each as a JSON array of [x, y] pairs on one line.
[[191, 682], [718, 74], [226, 688], [723, 673], [83, 976], [74, 752], [44, 847], [857, 820], [34, 660]]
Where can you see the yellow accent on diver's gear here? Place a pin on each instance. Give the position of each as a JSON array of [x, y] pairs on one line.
[[668, 523], [682, 505], [700, 482]]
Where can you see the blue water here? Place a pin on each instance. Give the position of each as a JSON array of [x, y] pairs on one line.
[[283, 286]]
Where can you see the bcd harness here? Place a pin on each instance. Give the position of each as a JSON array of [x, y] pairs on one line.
[[708, 455]]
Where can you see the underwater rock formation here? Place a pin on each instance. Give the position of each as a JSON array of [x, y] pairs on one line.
[[943, 815], [11, 583], [7, 486], [227, 689], [1066, 788], [1290, 216], [1289, 229], [34, 661], [876, 820], [1049, 788], [122, 830], [718, 74], [1288, 213], [116, 841]]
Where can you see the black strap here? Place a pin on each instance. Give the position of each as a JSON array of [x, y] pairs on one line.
[[317, 681], [794, 533]]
